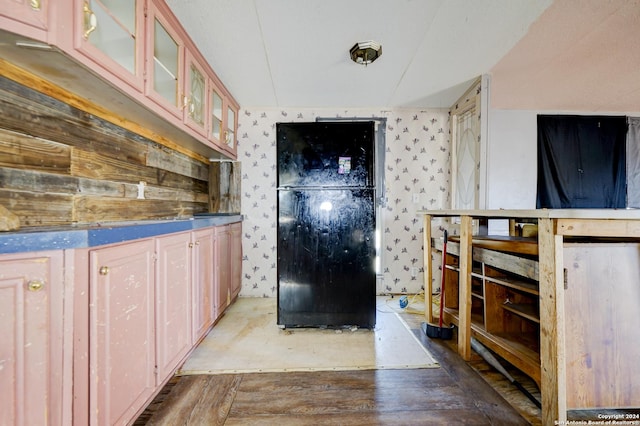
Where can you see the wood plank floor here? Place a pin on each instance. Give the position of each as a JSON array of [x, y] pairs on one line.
[[384, 397], [454, 394]]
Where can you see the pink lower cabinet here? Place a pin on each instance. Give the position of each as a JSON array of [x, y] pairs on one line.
[[173, 301], [148, 303], [202, 244], [236, 258], [223, 268], [122, 331], [32, 387]]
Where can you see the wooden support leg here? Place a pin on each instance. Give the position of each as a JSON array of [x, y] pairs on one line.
[[552, 324], [464, 322]]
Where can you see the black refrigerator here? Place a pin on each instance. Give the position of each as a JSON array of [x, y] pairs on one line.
[[326, 224]]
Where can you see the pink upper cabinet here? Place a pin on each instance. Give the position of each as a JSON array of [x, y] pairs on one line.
[[25, 17], [111, 33], [165, 62], [196, 84], [223, 119]]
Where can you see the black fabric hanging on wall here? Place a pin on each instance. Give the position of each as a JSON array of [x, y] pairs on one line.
[[581, 161]]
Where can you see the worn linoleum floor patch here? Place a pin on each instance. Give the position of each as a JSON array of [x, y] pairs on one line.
[[248, 340]]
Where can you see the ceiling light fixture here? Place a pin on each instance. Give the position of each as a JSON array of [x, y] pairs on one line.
[[365, 52]]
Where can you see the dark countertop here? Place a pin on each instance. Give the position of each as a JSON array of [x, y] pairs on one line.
[[84, 236]]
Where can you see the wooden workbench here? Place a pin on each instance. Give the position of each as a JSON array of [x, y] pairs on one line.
[[588, 267]]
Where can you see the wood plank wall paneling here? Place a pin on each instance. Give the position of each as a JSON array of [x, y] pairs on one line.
[[21, 151], [89, 209], [119, 118], [58, 207], [60, 165], [37, 182], [165, 159], [225, 188]]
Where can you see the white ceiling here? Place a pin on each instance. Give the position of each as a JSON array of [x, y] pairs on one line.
[[295, 53]]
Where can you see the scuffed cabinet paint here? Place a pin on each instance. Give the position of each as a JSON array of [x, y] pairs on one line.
[[31, 335], [236, 259], [203, 281], [223, 268], [122, 331], [173, 301]]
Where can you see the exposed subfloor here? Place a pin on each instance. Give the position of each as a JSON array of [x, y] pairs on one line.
[[456, 393]]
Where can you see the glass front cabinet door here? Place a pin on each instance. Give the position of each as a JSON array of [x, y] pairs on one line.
[[216, 109], [230, 133], [195, 111], [165, 60], [111, 33], [223, 121]]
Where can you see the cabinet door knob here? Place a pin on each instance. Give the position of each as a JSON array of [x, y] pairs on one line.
[[104, 270], [35, 285], [90, 21], [190, 245], [35, 4]]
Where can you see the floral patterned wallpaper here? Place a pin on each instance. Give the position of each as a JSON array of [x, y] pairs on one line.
[[417, 176]]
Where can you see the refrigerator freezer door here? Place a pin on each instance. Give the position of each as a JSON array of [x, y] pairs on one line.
[[335, 154], [326, 258]]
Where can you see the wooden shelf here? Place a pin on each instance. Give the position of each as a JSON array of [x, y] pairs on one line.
[[529, 312], [453, 268], [519, 245], [522, 265], [511, 330], [570, 312], [455, 313], [525, 286], [478, 320], [477, 295], [452, 316], [519, 349]]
